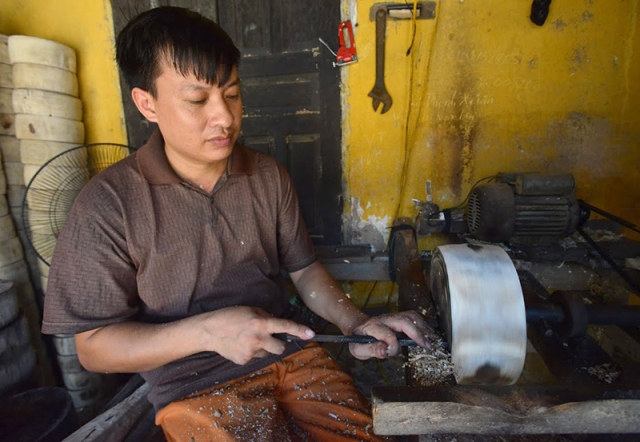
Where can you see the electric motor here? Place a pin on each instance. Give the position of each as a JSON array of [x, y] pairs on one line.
[[523, 205]]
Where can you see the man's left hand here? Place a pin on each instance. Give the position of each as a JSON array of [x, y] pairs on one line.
[[384, 329]]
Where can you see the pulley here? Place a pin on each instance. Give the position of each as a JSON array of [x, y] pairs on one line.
[[482, 311]]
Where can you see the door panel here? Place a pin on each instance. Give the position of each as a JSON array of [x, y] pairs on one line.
[[291, 98]]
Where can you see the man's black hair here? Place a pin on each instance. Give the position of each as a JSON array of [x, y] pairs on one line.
[[185, 39]]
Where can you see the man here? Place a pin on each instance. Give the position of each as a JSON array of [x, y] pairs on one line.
[[169, 262]]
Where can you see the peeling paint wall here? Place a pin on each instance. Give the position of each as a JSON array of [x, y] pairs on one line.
[[363, 231], [484, 91], [87, 27]]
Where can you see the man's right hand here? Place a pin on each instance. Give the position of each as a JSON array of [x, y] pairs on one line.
[[236, 333], [241, 334]]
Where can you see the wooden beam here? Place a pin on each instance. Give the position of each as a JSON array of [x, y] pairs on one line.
[[504, 410], [377, 269], [413, 285], [569, 361], [413, 288], [115, 423], [354, 263], [617, 342]]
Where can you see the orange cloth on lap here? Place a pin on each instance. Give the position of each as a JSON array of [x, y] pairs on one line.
[[304, 397]]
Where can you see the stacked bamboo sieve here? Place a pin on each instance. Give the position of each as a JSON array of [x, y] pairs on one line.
[[48, 116], [20, 340], [46, 119]]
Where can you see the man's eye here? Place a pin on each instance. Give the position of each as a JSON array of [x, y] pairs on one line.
[[233, 97], [197, 102]]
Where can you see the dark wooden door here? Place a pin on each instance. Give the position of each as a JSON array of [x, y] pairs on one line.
[[291, 93]]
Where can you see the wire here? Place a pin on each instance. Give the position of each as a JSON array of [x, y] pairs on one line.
[[488, 178], [327, 46], [413, 24], [411, 127], [390, 296], [366, 301]]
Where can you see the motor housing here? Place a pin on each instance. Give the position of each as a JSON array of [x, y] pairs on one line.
[[523, 205]]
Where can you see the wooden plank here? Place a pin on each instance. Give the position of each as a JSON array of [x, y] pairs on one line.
[[621, 343], [505, 410], [413, 288], [115, 423], [493, 438], [354, 263], [376, 270], [571, 362], [146, 430], [344, 253]]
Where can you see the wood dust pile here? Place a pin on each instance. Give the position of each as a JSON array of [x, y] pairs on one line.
[[430, 367]]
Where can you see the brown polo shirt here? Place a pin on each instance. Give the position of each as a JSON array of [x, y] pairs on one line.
[[140, 244]]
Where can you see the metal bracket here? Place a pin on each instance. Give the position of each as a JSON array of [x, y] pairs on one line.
[[426, 10]]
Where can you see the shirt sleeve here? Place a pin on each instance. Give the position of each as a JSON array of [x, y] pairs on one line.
[[92, 280], [295, 247]]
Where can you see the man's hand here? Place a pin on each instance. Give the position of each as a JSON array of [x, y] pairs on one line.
[[384, 329], [236, 333], [325, 297], [241, 334]]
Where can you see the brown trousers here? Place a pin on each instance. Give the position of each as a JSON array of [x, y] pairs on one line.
[[304, 397]]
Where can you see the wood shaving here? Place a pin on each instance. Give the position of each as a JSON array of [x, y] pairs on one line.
[[604, 372], [599, 235], [430, 367]]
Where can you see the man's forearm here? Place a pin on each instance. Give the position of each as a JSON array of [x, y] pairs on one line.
[[324, 296], [238, 333], [132, 347]]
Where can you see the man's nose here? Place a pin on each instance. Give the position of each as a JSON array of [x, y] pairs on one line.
[[220, 114]]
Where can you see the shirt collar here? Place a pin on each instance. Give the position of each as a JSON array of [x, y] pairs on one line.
[[155, 168]]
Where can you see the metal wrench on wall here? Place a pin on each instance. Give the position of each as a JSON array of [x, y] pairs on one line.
[[379, 92]]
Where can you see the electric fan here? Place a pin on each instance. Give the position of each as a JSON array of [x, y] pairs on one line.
[[53, 188]]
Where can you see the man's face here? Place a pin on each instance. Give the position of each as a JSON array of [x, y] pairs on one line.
[[200, 122]]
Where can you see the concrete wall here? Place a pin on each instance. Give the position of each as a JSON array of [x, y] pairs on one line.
[[85, 26]]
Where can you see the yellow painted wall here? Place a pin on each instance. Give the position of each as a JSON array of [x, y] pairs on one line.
[[486, 91], [87, 27]]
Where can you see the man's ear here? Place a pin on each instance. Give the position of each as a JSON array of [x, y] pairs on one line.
[[145, 103]]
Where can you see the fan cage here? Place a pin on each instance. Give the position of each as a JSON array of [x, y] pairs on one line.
[[52, 190]]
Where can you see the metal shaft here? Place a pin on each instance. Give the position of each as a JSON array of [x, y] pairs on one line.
[[341, 339], [622, 316]]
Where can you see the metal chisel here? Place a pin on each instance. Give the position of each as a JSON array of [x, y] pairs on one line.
[[341, 339]]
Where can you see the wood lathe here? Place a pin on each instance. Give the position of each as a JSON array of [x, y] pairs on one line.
[[494, 318]]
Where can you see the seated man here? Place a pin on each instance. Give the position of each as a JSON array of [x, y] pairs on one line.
[[169, 262]]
